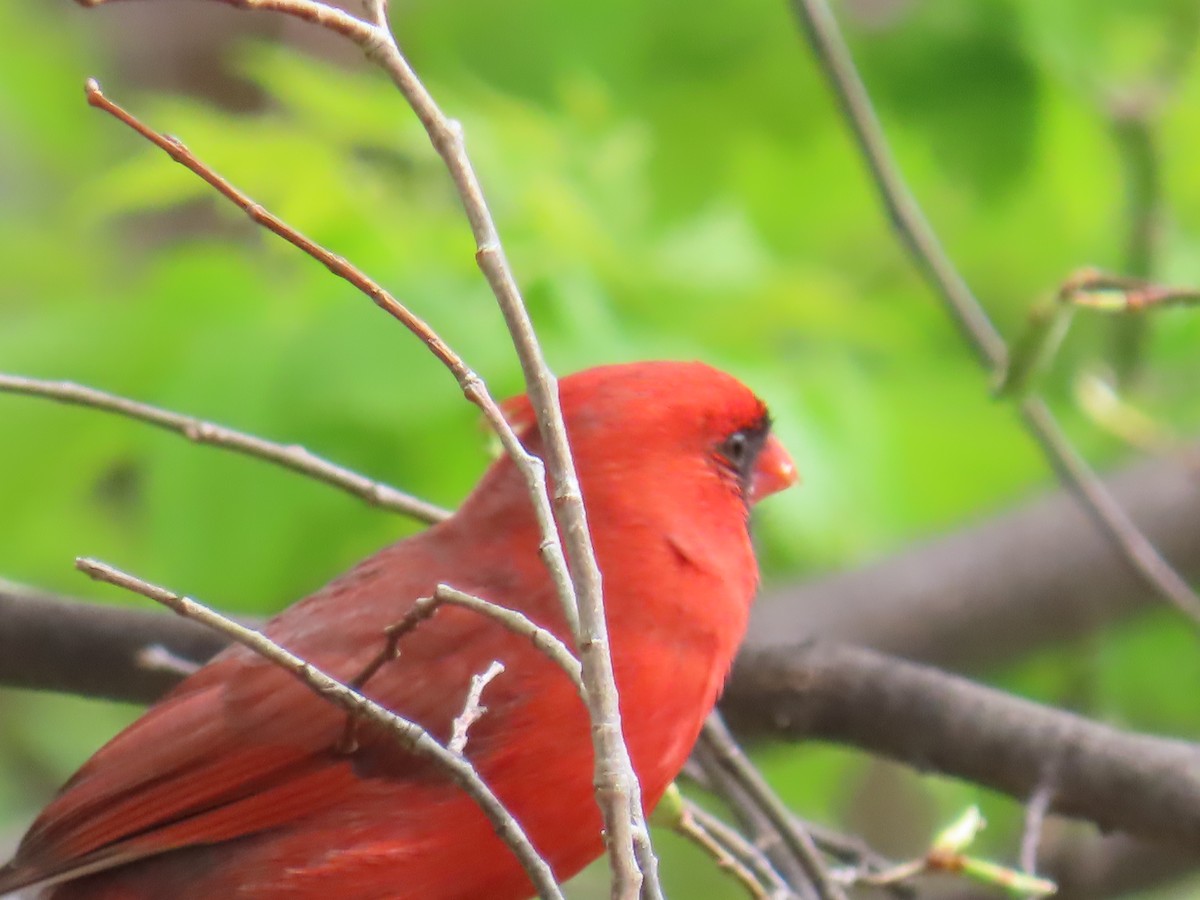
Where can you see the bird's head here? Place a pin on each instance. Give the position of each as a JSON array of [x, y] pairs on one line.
[[650, 425]]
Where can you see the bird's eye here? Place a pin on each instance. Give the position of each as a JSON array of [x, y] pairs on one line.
[[736, 448], [740, 450]]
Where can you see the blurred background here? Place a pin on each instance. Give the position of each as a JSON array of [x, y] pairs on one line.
[[671, 180]]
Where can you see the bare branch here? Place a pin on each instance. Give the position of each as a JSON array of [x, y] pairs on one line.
[[1104, 292], [753, 821], [617, 790], [50, 643], [410, 734], [289, 456], [1147, 786], [733, 843], [926, 251], [518, 623], [473, 710], [986, 594], [727, 753], [377, 12], [731, 856], [1035, 819], [1104, 509], [803, 691], [471, 384], [424, 607]]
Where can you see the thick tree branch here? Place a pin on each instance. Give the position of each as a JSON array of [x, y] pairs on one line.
[[51, 643], [1023, 579], [1143, 785], [1032, 577]]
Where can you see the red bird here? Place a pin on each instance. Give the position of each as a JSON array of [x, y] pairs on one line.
[[236, 784]]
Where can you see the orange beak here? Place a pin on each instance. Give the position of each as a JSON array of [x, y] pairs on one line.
[[773, 471]]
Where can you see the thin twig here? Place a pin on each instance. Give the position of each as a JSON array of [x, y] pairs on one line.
[[376, 11], [471, 384], [718, 739], [763, 835], [473, 710], [579, 588], [923, 246], [422, 609], [905, 214], [157, 658], [414, 738], [520, 624], [1093, 289], [690, 826], [735, 845], [633, 864], [290, 456], [1075, 473], [516, 622], [849, 848], [1035, 819]]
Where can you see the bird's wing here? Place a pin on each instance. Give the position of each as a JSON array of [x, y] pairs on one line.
[[243, 746]]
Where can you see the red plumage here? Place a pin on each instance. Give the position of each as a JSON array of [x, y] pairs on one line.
[[233, 785]]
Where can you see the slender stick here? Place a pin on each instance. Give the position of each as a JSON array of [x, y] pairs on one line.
[[1035, 819], [905, 214], [848, 848], [520, 624], [617, 788], [579, 588], [753, 820], [1104, 508], [471, 384], [733, 843], [690, 826], [516, 622], [927, 252], [290, 456], [473, 710], [718, 739], [413, 736]]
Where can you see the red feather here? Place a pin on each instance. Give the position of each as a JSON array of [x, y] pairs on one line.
[[233, 786]]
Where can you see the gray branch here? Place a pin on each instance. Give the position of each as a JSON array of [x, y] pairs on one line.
[[1022, 580], [1146, 786]]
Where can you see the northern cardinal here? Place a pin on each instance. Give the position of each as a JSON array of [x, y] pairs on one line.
[[236, 784]]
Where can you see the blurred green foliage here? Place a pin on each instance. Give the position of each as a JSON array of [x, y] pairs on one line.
[[670, 181]]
